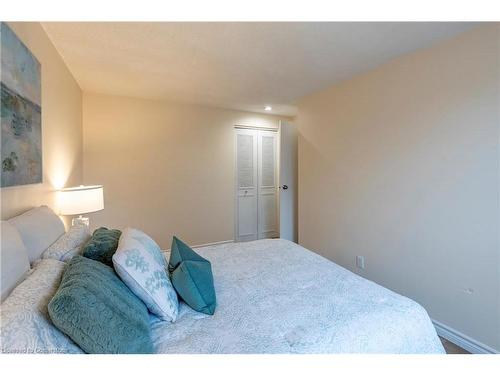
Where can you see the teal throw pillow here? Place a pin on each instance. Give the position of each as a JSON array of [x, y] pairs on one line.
[[102, 245], [98, 311], [192, 278]]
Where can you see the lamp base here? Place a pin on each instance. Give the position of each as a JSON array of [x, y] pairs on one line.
[[80, 220]]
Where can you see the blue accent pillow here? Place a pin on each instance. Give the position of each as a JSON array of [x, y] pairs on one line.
[[102, 245], [191, 276], [98, 311]]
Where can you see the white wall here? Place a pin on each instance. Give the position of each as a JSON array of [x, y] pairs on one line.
[[401, 165], [61, 126], [166, 168]]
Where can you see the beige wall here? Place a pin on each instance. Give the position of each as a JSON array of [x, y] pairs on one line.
[[401, 165], [166, 168], [61, 126]]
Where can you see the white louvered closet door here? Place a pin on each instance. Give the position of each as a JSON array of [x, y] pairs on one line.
[[267, 184], [246, 185], [256, 184]]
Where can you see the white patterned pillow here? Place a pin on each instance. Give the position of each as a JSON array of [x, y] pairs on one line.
[[140, 264], [69, 244]]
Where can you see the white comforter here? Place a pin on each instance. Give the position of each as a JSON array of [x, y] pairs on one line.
[[26, 327], [274, 296]]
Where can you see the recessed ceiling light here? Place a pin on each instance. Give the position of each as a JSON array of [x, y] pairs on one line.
[[267, 108]]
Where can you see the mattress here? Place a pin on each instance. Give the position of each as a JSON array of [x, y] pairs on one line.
[[274, 296]]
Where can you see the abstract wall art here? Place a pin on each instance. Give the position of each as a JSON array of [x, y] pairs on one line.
[[21, 113]]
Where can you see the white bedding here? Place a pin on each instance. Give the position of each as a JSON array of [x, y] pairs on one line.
[[274, 296], [25, 326]]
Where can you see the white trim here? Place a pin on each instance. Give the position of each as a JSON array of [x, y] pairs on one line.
[[205, 244], [80, 188], [251, 127], [462, 340], [213, 243], [235, 185], [278, 180]]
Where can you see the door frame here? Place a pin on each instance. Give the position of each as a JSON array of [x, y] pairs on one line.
[[285, 142], [235, 172]]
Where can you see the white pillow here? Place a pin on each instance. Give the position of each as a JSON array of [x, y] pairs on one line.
[[140, 264], [69, 244], [39, 228], [13, 257]]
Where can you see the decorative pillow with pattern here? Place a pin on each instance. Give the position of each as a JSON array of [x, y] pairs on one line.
[[141, 265], [69, 244]]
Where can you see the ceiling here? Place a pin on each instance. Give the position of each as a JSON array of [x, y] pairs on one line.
[[242, 66]]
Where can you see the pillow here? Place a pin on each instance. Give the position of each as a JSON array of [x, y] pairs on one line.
[[192, 277], [39, 228], [102, 245], [13, 257], [25, 325], [69, 244], [141, 265], [98, 311]]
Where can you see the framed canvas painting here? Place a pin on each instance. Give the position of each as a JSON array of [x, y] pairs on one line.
[[21, 113]]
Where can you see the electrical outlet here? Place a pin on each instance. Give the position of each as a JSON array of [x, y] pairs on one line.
[[360, 262]]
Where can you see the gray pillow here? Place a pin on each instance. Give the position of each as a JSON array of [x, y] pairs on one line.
[[14, 259], [39, 228]]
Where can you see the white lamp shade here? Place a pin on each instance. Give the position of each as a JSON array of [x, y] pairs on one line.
[[81, 200]]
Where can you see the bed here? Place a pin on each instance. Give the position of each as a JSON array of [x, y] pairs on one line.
[[277, 297], [273, 296]]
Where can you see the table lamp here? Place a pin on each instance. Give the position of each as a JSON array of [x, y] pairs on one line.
[[81, 200]]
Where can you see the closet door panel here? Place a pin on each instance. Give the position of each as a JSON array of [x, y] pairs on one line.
[[246, 185], [267, 185]]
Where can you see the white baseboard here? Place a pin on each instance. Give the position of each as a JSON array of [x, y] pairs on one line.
[[461, 340], [212, 243], [206, 244]]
